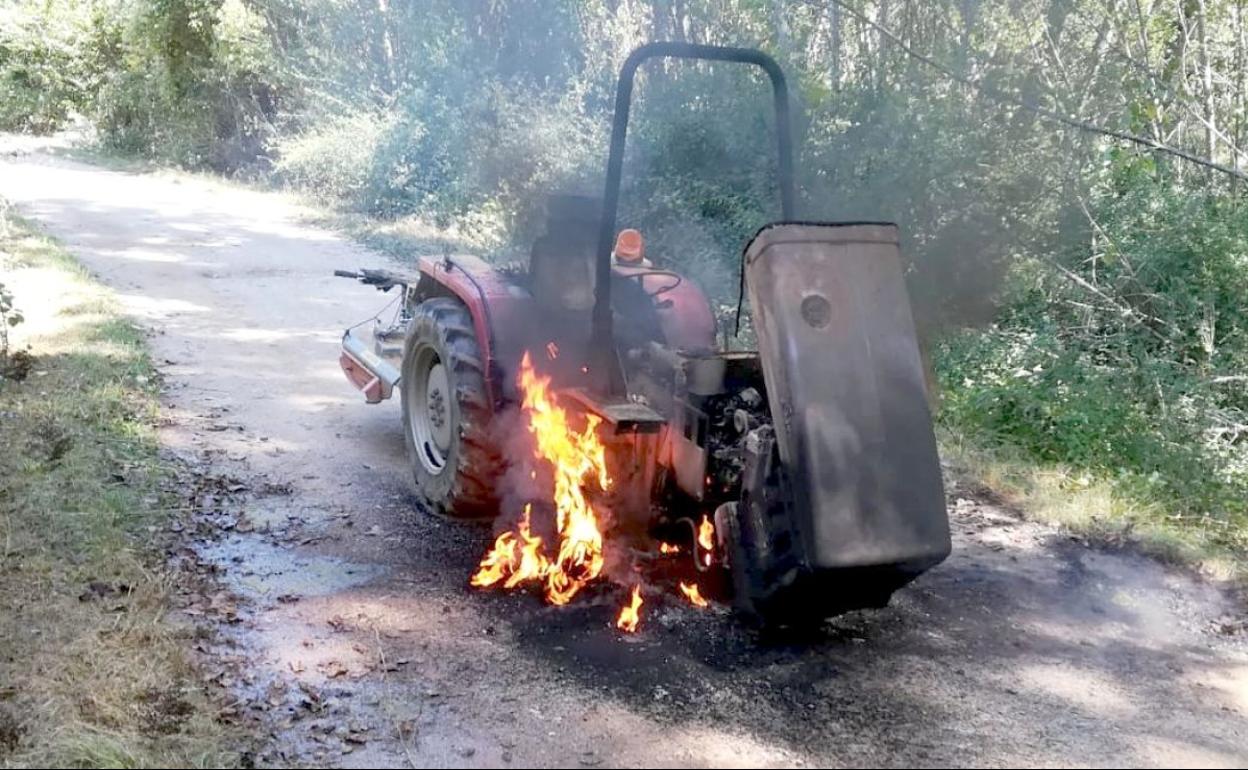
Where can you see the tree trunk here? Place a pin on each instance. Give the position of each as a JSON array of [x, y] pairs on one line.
[[1240, 110], [780, 24], [387, 46], [1207, 89], [834, 32]]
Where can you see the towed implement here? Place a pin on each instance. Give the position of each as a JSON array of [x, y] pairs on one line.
[[803, 475]]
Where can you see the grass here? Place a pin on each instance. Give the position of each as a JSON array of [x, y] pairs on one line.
[[95, 154], [404, 239], [1098, 510], [92, 671]]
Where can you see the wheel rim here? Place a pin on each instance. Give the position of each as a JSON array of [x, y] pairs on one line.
[[430, 418]]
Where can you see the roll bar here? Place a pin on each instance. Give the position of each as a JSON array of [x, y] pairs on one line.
[[602, 331]]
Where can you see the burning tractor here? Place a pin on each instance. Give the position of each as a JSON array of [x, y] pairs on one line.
[[586, 404]]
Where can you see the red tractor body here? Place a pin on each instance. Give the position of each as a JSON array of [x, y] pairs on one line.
[[815, 454]]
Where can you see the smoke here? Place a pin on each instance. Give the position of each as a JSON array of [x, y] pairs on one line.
[[524, 480]]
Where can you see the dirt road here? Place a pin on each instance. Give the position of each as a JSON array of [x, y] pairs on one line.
[[358, 643]]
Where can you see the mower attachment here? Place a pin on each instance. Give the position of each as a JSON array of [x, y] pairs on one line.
[[844, 503], [372, 374]]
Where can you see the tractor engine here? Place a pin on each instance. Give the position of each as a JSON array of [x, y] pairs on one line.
[[732, 418]]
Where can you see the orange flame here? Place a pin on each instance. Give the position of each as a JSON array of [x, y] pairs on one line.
[[517, 560], [630, 614], [533, 563], [691, 592], [706, 539], [669, 548], [577, 459], [497, 563]]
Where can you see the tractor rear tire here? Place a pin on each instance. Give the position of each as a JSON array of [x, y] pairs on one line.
[[447, 414]]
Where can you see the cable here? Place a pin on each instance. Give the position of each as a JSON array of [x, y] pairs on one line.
[[376, 316], [662, 289]]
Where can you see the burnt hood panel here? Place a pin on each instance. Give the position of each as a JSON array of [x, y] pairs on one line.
[[848, 399]]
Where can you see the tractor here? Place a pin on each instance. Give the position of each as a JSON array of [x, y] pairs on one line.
[[815, 453]]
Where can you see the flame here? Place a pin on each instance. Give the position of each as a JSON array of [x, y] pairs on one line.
[[578, 461], [706, 539], [532, 564], [630, 613], [497, 563], [552, 350], [691, 592], [517, 560], [578, 458]]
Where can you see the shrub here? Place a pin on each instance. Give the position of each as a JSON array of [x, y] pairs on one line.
[[334, 158], [198, 84], [1127, 358], [10, 316], [47, 64]]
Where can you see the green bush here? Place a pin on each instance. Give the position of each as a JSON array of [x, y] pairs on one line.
[[1128, 359], [420, 162], [496, 150], [10, 316], [197, 83], [47, 63], [334, 158], [1033, 390]]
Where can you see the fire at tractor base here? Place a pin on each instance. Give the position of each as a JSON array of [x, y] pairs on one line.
[[572, 514]]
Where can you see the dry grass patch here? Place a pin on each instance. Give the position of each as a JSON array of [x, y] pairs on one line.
[[92, 673]]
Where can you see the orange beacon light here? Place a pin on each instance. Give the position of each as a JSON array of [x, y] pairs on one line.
[[630, 248]]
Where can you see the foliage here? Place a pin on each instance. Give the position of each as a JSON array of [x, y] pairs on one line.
[[45, 67], [10, 316], [1128, 359], [196, 83], [333, 158]]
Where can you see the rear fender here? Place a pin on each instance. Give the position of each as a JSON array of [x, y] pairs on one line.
[[500, 311]]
